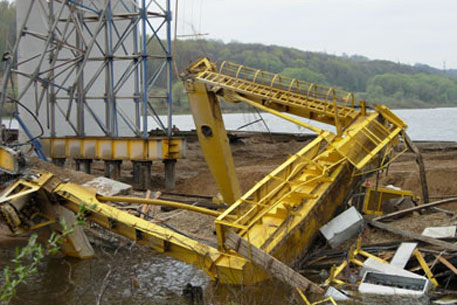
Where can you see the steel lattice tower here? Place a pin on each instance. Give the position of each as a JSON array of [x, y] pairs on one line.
[[93, 67]]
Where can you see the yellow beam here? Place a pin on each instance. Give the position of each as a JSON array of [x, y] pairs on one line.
[[213, 139], [159, 202], [102, 148]]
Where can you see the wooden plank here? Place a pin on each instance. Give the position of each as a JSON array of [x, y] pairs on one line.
[[446, 263], [419, 207], [270, 264], [145, 207], [420, 164], [433, 241]]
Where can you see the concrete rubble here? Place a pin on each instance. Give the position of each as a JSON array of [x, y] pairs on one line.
[[109, 187]]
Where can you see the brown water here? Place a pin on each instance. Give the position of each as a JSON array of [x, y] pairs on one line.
[[134, 275]]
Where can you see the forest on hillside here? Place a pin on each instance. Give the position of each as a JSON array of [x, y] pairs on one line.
[[376, 81]]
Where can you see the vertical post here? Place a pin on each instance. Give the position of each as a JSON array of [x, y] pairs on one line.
[[59, 161], [113, 169], [136, 74], [169, 168], [51, 97], [337, 118], [144, 57], [109, 83], [145, 174], [169, 71], [83, 165], [80, 85]]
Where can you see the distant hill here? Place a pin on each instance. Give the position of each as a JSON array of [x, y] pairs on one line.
[[377, 81]]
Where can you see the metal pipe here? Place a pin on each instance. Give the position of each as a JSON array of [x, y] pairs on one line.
[[277, 113], [166, 203]]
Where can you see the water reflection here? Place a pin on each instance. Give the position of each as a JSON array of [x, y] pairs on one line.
[[135, 275]]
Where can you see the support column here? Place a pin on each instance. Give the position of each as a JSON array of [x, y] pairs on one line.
[[83, 165], [144, 174], [59, 161], [170, 180], [136, 167], [113, 169]]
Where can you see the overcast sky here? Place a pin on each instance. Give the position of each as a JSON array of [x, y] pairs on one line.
[[407, 31]]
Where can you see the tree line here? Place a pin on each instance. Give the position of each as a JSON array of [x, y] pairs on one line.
[[377, 81]]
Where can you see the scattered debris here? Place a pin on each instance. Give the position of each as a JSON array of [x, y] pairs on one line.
[[433, 241]]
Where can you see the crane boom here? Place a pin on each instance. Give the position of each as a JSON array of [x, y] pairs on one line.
[[279, 216], [282, 213]]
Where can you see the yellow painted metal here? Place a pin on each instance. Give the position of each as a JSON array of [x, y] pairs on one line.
[[213, 137], [282, 213], [279, 92], [165, 203], [102, 148], [52, 195], [10, 160], [425, 267], [353, 253], [372, 203]]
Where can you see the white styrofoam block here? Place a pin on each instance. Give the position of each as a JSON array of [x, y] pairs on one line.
[[403, 254], [342, 227], [439, 232]]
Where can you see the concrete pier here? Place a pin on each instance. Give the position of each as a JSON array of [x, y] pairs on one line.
[[83, 165], [113, 169], [170, 177], [59, 161]]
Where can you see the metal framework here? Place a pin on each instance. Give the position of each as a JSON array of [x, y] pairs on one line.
[[93, 66]]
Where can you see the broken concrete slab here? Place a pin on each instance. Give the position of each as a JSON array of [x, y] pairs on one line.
[[403, 254], [389, 284], [440, 232], [342, 227], [109, 187]]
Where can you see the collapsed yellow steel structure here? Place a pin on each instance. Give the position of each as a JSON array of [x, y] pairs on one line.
[[280, 215]]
